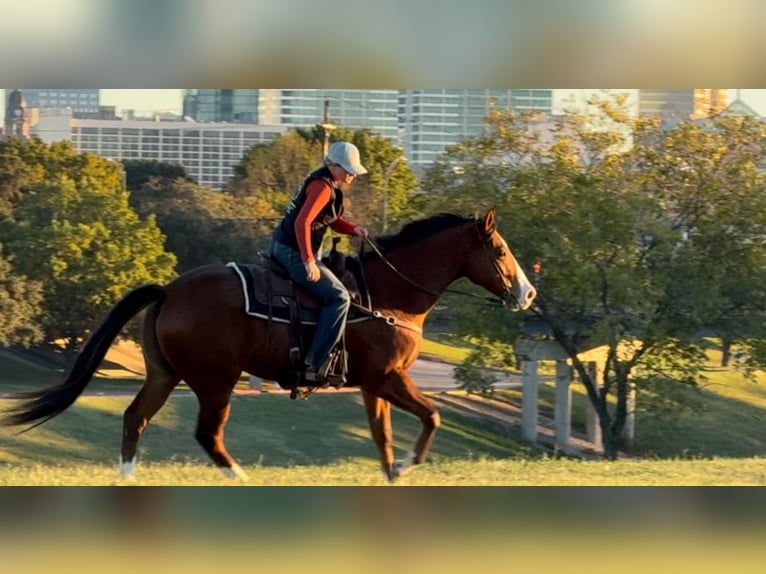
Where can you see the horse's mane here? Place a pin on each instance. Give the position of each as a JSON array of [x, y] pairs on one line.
[[420, 229]]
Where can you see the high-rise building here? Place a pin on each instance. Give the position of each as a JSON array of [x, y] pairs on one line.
[[432, 120], [423, 122], [231, 106], [85, 101], [353, 109], [678, 105], [709, 102]]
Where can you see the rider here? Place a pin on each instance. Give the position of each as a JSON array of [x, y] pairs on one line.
[[316, 205]]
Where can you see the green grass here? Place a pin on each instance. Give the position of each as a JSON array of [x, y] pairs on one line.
[[443, 351], [326, 440]]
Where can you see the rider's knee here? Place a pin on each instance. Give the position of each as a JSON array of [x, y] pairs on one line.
[[344, 298]]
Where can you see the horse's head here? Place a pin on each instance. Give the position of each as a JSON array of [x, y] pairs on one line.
[[492, 265]]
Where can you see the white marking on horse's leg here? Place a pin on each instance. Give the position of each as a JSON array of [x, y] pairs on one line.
[[234, 472], [128, 469], [404, 465]]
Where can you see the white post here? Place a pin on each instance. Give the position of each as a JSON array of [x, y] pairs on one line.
[[629, 432], [591, 416], [562, 414], [529, 392]]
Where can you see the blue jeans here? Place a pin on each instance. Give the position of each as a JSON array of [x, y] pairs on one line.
[[331, 293]]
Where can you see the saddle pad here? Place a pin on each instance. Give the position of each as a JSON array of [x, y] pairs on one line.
[[255, 308], [280, 312]]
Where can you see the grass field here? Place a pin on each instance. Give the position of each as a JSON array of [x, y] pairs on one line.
[[325, 441]]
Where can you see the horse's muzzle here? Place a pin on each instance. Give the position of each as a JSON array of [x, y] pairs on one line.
[[514, 303]]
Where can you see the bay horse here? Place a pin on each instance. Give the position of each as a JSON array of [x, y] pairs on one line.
[[195, 330]]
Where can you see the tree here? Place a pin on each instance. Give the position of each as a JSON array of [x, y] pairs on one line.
[[204, 226], [273, 171], [82, 240], [648, 237], [19, 306], [388, 192], [24, 164], [139, 171]]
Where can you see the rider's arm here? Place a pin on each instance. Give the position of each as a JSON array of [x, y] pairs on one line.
[[343, 226], [318, 193]]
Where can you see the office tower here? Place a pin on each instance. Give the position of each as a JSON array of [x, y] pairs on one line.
[[80, 101], [678, 105], [709, 102], [433, 120], [231, 106], [352, 109]]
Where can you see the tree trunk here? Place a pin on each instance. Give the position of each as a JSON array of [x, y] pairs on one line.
[[609, 440], [725, 351], [621, 411]]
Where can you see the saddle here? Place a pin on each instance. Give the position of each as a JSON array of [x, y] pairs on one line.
[[271, 294]]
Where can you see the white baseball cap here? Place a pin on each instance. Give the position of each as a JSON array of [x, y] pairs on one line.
[[346, 155]]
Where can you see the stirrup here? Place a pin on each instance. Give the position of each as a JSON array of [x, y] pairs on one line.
[[337, 381], [311, 375]]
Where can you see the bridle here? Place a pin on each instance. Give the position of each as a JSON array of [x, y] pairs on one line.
[[507, 294]]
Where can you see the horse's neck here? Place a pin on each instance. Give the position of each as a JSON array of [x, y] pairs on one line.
[[430, 266]]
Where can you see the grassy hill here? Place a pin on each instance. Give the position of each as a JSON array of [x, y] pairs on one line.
[[325, 440]]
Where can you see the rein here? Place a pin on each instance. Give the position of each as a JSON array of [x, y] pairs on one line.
[[415, 284]]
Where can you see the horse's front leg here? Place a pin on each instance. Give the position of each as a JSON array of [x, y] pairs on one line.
[[400, 390], [379, 417]]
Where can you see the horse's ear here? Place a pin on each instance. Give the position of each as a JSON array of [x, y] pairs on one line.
[[488, 224]]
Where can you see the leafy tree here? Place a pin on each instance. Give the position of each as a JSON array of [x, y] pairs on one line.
[[648, 237], [139, 171], [381, 199], [204, 226], [82, 240], [25, 164], [273, 171], [19, 306]]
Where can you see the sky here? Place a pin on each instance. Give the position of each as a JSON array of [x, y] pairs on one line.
[[145, 100]]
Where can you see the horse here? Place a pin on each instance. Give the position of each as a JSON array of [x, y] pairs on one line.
[[194, 329]]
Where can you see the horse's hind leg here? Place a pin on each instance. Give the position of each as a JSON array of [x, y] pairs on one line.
[[160, 382], [158, 386], [213, 414]]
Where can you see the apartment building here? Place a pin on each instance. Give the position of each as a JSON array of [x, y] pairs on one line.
[[209, 152]]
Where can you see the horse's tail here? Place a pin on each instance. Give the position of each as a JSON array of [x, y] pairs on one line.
[[45, 404]]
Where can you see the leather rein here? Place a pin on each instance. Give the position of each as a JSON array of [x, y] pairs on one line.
[[417, 285]]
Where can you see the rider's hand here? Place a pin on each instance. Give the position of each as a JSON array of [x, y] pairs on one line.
[[361, 231], [312, 271]]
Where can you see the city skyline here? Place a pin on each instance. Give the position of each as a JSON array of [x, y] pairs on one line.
[[171, 100]]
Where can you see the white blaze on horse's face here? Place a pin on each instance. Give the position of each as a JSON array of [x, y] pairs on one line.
[[496, 267], [519, 291]]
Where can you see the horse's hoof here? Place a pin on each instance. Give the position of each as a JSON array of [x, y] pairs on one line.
[[235, 472]]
